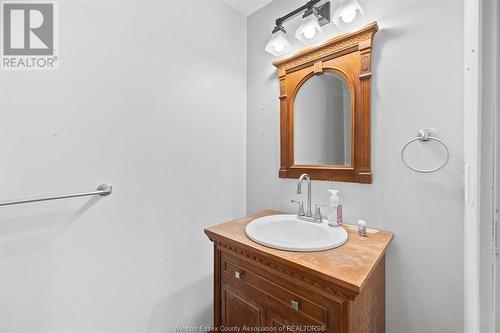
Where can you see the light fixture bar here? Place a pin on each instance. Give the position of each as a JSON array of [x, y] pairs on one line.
[[323, 13], [308, 6], [313, 17]]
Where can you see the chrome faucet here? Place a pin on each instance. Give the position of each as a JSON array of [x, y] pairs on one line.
[[299, 191], [307, 215]]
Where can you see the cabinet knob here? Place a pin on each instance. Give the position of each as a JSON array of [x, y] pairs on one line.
[[295, 305], [238, 274]]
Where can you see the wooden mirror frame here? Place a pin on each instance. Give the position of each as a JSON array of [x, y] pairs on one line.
[[348, 55]]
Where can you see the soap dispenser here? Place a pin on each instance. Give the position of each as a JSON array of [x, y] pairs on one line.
[[334, 209]]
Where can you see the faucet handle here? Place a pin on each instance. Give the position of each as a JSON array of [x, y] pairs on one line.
[[317, 212], [300, 212]]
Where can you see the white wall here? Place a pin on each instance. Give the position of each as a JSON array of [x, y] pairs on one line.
[[489, 109], [417, 83], [497, 185], [142, 100]]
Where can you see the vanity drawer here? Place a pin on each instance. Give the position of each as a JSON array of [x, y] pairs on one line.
[[239, 274]]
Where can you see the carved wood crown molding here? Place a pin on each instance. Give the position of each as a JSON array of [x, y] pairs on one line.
[[361, 39], [337, 291]]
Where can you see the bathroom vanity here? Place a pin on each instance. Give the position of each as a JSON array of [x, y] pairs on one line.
[[340, 290]]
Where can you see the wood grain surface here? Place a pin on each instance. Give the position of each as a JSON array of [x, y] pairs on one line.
[[349, 266]]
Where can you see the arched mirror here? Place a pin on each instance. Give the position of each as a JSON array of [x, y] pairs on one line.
[[325, 109], [322, 121]]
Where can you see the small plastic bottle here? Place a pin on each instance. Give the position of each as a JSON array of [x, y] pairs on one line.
[[362, 228], [335, 209]]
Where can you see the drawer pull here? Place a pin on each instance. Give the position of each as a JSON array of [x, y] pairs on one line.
[[238, 274], [294, 305]]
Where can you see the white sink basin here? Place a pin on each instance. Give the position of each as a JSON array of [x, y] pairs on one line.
[[286, 232]]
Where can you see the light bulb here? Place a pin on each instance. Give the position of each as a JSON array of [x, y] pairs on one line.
[[279, 47], [347, 12], [348, 15], [308, 29], [278, 44], [309, 32]]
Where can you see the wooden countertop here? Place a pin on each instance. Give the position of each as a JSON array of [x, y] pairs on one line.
[[349, 265]]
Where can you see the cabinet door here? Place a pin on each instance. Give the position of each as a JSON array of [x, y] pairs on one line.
[[286, 320], [279, 321], [239, 310]]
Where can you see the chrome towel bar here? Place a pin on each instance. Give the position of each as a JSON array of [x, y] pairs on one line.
[[102, 190]]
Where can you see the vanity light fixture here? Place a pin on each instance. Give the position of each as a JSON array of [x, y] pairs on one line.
[[314, 17], [346, 12], [278, 44], [310, 28]]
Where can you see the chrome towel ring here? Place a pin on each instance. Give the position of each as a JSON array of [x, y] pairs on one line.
[[425, 135]]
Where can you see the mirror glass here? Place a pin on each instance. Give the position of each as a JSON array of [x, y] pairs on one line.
[[322, 121]]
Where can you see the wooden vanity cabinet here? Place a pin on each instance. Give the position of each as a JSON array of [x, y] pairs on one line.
[[266, 299], [259, 287]]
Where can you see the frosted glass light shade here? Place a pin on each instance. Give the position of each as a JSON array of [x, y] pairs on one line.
[[347, 12], [309, 29], [278, 44]]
